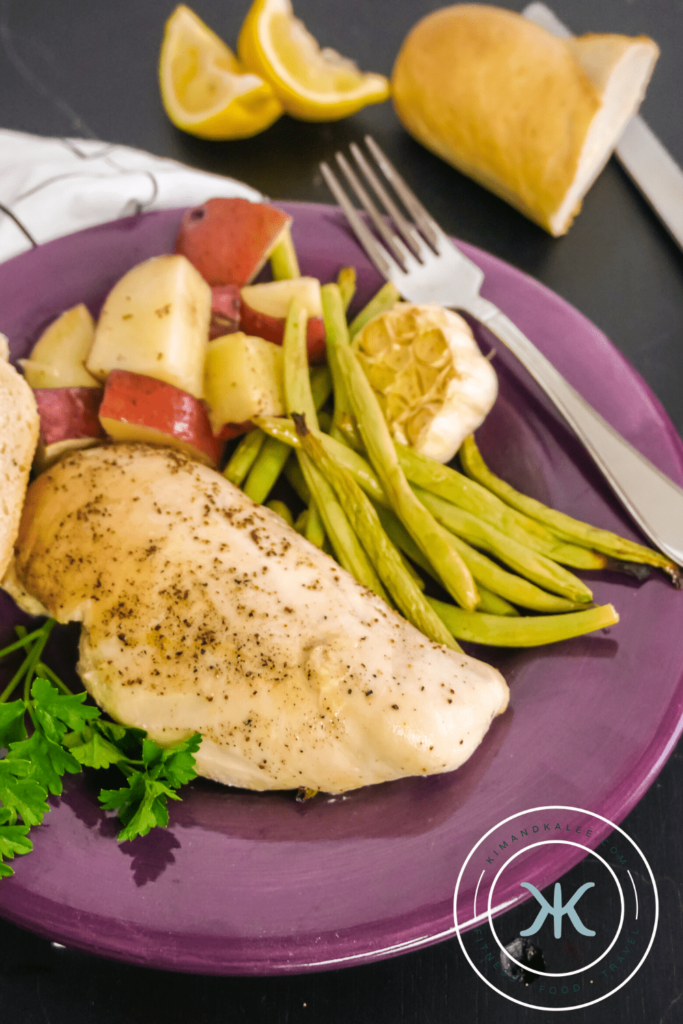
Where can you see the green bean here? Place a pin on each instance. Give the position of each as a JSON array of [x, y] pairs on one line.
[[298, 394], [324, 421], [321, 385], [273, 455], [386, 297], [533, 566], [301, 520], [384, 556], [525, 631], [494, 604], [283, 261], [283, 429], [487, 573], [347, 548], [428, 534], [243, 457], [346, 283], [299, 399], [266, 469], [295, 479], [281, 510], [490, 577], [337, 336], [315, 529], [470, 496], [513, 588], [562, 525], [412, 571], [327, 547], [400, 538], [397, 533]]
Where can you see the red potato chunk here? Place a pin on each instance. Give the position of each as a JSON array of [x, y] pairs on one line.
[[140, 408]]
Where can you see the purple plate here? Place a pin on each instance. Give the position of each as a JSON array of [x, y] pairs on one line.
[[247, 883]]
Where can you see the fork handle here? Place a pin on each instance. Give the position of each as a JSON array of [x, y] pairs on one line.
[[654, 501]]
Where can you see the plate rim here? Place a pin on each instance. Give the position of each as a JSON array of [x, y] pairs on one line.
[[624, 797]]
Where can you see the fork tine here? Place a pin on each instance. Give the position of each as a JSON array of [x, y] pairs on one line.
[[370, 208], [429, 228], [377, 254], [404, 226]]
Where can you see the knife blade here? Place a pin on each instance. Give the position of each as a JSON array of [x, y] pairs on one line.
[[644, 158]]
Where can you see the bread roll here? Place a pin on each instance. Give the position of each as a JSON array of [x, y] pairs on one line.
[[19, 427], [532, 117]]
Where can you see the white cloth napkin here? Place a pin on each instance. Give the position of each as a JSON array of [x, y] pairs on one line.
[[56, 186]]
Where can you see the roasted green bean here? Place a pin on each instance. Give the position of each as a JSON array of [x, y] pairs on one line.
[[281, 510], [336, 336], [315, 527], [513, 588], [383, 555], [266, 469], [529, 564], [561, 525], [525, 631], [272, 457], [299, 399], [386, 297], [283, 259], [346, 283], [301, 520], [397, 533], [244, 456], [427, 533], [295, 479], [467, 494]]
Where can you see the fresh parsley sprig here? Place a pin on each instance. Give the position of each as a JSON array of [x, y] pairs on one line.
[[52, 731]]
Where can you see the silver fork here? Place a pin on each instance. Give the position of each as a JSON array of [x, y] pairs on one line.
[[420, 259]]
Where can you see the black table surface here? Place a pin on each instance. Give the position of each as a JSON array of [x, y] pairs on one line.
[[88, 69]]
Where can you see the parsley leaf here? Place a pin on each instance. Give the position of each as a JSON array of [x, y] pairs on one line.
[[67, 735], [12, 722], [142, 804], [20, 793], [49, 760], [92, 746], [55, 713], [13, 841], [176, 763]]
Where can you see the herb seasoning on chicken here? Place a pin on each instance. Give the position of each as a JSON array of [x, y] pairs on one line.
[[203, 611]]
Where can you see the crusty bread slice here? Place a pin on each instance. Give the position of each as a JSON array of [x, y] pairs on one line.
[[532, 117], [19, 428]]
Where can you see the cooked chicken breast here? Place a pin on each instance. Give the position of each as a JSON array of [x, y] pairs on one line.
[[204, 612]]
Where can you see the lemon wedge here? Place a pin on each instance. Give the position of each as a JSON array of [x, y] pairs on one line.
[[204, 89], [312, 84], [434, 385]]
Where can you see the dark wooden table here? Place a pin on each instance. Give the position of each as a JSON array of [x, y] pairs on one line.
[[89, 69]]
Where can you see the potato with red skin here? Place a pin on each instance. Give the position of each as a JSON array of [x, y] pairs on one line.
[[230, 431], [139, 408], [57, 359], [155, 322], [225, 310], [243, 378], [264, 308], [68, 420], [229, 239], [272, 328]]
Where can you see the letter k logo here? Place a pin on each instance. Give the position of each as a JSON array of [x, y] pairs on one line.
[[557, 910]]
